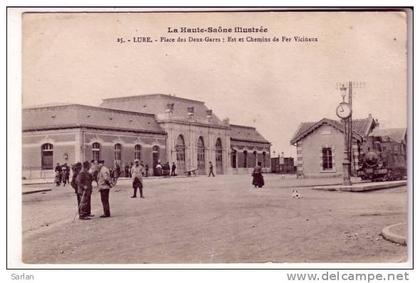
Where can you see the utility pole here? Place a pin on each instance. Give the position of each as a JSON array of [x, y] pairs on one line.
[[350, 127], [345, 112]]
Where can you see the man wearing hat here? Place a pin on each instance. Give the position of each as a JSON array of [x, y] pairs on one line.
[[104, 184], [84, 183], [76, 170], [136, 176]]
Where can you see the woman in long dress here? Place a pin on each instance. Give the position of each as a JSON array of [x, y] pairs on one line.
[[257, 177]]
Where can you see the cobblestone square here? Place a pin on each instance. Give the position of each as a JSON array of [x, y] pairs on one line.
[[214, 220]]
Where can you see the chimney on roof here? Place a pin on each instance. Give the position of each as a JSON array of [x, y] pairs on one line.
[[190, 111], [209, 115], [169, 108], [226, 121]]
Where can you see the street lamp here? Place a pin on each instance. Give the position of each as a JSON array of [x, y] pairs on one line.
[[344, 111]]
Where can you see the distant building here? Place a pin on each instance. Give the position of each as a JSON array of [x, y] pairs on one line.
[[283, 165], [248, 148], [71, 133], [153, 128], [320, 146]]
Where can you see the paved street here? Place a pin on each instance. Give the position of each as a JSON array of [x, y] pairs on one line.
[[214, 220]]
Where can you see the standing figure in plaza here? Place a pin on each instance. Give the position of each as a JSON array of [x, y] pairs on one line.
[[211, 169], [67, 174], [129, 170], [146, 168], [64, 174], [142, 166], [137, 174], [104, 184], [57, 174], [84, 183], [257, 177], [126, 170], [76, 168], [114, 175], [159, 169], [166, 169], [173, 169], [117, 171], [94, 169]]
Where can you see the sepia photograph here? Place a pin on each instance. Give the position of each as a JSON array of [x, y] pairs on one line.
[[178, 137]]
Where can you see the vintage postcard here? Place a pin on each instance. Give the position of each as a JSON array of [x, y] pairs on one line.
[[192, 138]]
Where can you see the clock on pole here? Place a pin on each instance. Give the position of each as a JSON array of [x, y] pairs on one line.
[[343, 110]]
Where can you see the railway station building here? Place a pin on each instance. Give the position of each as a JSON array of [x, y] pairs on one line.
[[152, 128], [320, 146]]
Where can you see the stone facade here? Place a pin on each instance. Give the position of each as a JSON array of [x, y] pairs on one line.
[[310, 152], [171, 129], [197, 139], [320, 146]]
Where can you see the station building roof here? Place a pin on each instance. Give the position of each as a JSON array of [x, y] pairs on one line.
[[246, 133], [157, 104], [84, 116], [361, 128]]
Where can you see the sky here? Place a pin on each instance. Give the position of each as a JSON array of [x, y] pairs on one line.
[[274, 86]]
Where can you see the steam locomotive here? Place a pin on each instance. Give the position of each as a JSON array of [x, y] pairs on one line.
[[383, 159]]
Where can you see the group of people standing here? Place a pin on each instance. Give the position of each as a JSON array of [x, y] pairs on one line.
[[128, 167], [89, 172], [62, 174], [83, 177], [165, 169]]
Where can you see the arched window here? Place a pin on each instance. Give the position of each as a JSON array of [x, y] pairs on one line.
[[47, 156], [233, 158], [155, 158], [117, 153], [219, 156], [263, 161], [180, 153], [255, 158], [219, 150], [201, 162], [96, 151], [245, 159], [137, 152]]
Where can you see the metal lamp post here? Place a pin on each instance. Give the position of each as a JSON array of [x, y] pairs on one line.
[[344, 111]]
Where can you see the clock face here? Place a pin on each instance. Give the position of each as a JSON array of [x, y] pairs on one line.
[[343, 110]]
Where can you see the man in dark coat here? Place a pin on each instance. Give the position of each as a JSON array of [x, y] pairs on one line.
[[126, 171], [67, 174], [173, 169], [84, 181], [58, 174], [146, 168], [76, 170], [211, 169]]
